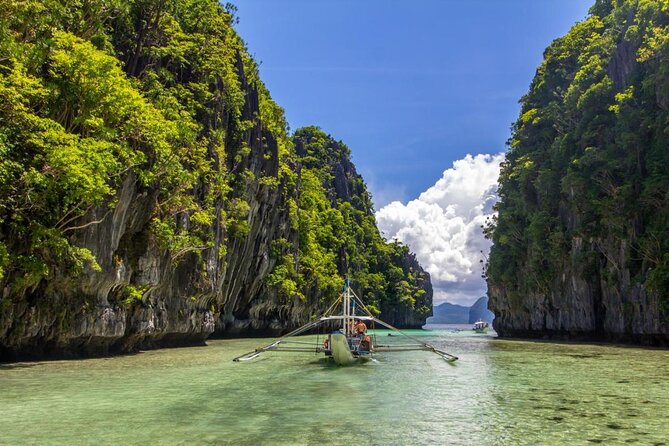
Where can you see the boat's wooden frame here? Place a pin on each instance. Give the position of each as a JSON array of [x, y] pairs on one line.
[[343, 346]]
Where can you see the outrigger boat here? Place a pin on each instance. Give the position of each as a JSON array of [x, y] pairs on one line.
[[346, 344]]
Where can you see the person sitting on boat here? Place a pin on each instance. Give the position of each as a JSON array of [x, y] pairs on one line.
[[360, 329], [351, 326]]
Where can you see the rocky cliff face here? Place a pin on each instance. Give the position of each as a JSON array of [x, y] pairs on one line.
[[184, 300], [599, 303], [408, 317], [197, 221], [580, 242]]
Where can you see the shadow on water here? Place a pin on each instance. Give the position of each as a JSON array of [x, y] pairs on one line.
[[325, 363], [19, 365], [581, 343]]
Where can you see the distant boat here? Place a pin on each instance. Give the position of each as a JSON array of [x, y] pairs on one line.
[[480, 326], [348, 344]]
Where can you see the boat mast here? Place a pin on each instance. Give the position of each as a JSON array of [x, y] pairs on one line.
[[347, 306]]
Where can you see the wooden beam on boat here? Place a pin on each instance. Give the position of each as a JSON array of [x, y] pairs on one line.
[[255, 353]]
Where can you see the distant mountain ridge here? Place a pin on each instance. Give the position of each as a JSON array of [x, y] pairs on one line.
[[448, 313]]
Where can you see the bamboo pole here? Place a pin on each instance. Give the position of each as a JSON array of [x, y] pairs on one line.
[[431, 348]]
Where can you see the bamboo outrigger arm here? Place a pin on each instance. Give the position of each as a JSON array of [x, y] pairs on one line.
[[425, 346], [255, 353]]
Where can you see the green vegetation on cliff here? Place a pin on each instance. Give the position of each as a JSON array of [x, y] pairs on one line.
[[160, 99], [95, 91], [584, 191], [338, 233]]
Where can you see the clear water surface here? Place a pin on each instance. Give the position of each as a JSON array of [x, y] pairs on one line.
[[499, 393]]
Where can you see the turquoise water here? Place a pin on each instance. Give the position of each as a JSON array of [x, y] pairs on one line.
[[498, 393]]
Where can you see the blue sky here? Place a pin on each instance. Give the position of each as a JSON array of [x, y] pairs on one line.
[[414, 89], [410, 87]]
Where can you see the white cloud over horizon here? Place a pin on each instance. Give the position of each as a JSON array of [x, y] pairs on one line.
[[443, 226]]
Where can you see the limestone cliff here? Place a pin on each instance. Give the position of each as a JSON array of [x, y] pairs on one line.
[[580, 241], [151, 196], [405, 316], [182, 300]]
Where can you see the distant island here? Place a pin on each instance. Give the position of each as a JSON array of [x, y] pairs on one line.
[[448, 313]]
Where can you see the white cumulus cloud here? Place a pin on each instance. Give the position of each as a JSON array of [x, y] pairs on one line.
[[443, 226]]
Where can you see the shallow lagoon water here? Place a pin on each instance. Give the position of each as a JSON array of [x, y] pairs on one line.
[[500, 392]]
